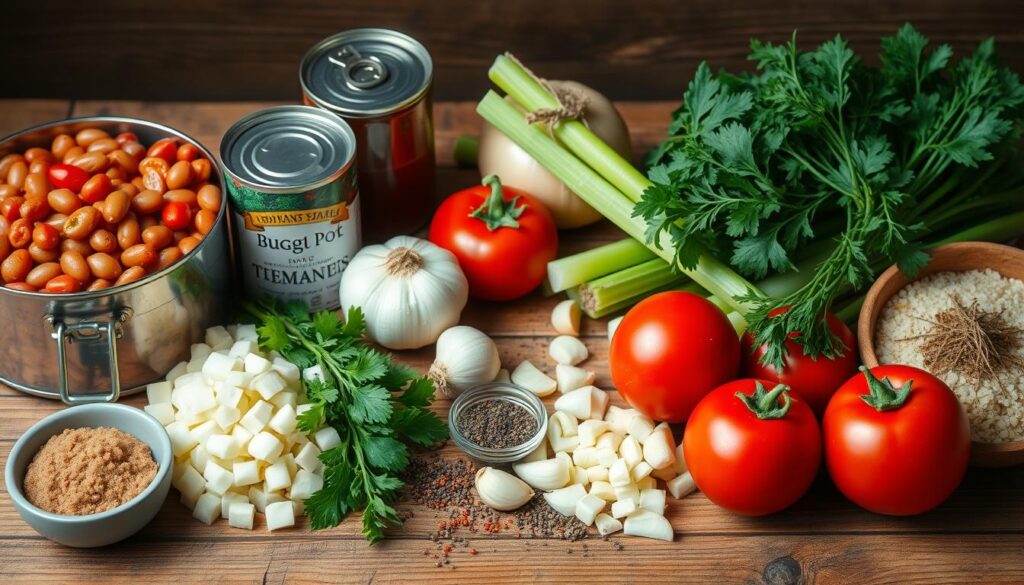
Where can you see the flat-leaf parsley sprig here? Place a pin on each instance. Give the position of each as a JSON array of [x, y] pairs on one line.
[[375, 404]]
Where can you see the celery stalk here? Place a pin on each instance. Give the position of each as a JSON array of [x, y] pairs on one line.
[[626, 284], [574, 270], [710, 273]]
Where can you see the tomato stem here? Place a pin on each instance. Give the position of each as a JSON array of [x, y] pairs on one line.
[[884, 396], [496, 212], [764, 404]]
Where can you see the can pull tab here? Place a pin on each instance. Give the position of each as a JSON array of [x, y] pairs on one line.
[[360, 72]]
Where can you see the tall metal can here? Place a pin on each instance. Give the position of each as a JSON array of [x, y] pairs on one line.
[[291, 178], [379, 81]]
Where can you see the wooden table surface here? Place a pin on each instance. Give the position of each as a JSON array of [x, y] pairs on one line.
[[978, 535]]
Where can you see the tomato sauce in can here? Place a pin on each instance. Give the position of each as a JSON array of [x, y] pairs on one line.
[[379, 81], [294, 199]]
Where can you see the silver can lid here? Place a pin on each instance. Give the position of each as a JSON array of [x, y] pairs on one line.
[[366, 72], [288, 148]]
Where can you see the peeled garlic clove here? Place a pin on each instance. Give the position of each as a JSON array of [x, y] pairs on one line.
[[609, 440], [603, 490], [568, 350], [631, 451], [562, 433], [648, 525], [528, 376], [647, 483], [619, 418], [618, 474], [640, 471], [500, 490], [612, 326], [570, 378], [682, 486], [623, 508], [653, 500], [576, 403], [585, 457], [590, 430], [640, 425], [564, 500], [548, 474], [598, 473], [503, 376], [660, 448], [579, 475], [598, 403], [607, 525], [538, 454], [565, 318], [588, 507]]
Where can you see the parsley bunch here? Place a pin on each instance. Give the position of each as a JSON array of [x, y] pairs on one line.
[[374, 403], [820, 155]]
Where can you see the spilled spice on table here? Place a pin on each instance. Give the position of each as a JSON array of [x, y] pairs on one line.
[[446, 486]]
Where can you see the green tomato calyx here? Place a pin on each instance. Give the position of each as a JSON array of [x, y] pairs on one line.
[[495, 211], [765, 405], [883, 395]]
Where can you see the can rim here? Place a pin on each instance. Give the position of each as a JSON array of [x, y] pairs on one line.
[[171, 132], [319, 47], [232, 134]]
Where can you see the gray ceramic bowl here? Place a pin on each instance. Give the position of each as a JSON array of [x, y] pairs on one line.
[[105, 527]]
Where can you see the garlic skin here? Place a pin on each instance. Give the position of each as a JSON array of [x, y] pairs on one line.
[[500, 490], [409, 290], [465, 358]]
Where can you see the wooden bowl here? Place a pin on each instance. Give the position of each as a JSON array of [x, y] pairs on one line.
[[958, 257]]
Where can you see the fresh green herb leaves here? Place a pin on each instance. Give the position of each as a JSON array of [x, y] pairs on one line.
[[818, 156], [376, 406]]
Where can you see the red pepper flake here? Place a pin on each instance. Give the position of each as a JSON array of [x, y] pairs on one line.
[[447, 548], [442, 525], [472, 551]]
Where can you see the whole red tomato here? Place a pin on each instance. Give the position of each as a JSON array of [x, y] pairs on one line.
[[896, 439], [503, 238], [670, 350], [752, 451], [813, 379]]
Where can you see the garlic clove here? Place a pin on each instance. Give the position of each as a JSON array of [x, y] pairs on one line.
[[564, 500], [599, 400], [627, 492], [646, 483], [585, 457], [640, 471], [548, 474], [538, 454], [660, 447], [681, 486], [618, 474], [500, 490], [568, 350], [580, 476], [609, 440], [576, 403], [619, 418], [631, 451], [613, 324], [528, 376], [640, 425], [653, 500], [606, 457], [565, 318], [648, 525], [588, 507], [570, 378], [603, 490], [607, 525], [597, 473], [623, 508], [590, 430]]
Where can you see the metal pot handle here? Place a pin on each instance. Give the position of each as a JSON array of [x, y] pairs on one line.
[[66, 333]]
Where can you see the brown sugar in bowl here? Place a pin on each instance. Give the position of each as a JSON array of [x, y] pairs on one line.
[[957, 257]]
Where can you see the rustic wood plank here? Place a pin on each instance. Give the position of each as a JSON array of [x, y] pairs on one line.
[[931, 559], [235, 49], [17, 115]]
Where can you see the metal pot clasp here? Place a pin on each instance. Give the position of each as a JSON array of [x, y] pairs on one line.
[[88, 331]]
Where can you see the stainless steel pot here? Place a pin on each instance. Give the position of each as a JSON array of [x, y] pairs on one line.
[[88, 346]]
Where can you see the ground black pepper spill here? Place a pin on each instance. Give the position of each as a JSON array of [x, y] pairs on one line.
[[497, 424], [446, 486]]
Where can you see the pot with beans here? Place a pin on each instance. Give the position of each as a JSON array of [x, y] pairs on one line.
[[114, 255]]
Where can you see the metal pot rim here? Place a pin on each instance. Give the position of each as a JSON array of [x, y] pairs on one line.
[[88, 295]]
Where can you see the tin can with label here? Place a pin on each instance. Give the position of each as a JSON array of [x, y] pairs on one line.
[[291, 179], [379, 81]]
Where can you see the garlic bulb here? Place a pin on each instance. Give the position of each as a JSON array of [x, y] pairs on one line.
[[409, 290], [465, 357], [500, 490]]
